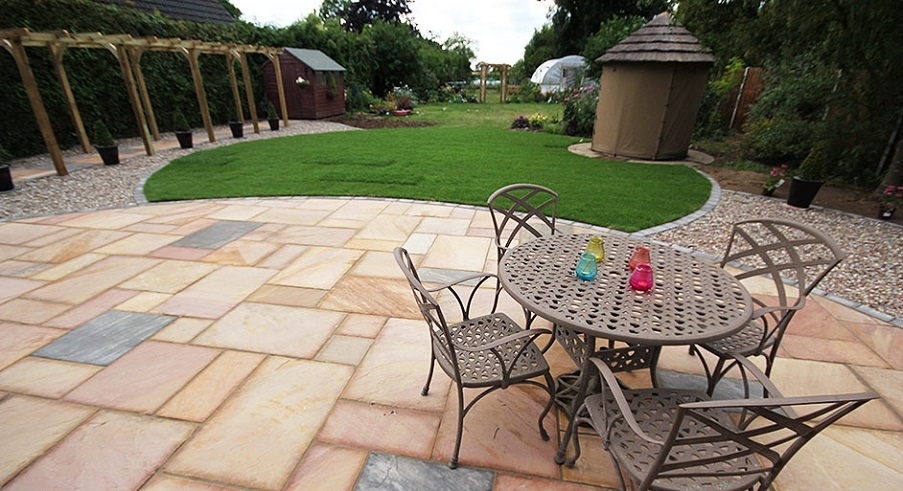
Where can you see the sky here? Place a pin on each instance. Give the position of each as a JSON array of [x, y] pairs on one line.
[[499, 29]]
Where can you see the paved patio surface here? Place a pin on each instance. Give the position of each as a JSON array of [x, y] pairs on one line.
[[273, 344]]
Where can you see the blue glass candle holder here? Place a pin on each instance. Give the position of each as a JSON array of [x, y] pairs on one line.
[[586, 266]]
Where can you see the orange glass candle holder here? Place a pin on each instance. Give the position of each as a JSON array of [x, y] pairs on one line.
[[640, 255]]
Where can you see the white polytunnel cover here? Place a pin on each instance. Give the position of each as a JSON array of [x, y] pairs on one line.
[[559, 73]]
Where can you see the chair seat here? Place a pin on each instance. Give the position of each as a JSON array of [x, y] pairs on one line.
[[747, 342], [655, 411], [482, 368]]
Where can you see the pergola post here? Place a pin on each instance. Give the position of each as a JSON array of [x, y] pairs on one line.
[[125, 65], [56, 52], [136, 52], [484, 69], [192, 55], [15, 47], [249, 92], [230, 64], [274, 57], [503, 92]]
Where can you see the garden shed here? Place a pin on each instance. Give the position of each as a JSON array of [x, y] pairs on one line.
[[314, 84], [652, 85]]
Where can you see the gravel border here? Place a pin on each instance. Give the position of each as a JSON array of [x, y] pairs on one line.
[[869, 280]]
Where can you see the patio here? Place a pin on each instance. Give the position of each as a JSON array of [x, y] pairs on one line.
[[273, 344]]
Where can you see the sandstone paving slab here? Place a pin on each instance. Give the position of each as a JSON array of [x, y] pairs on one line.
[[318, 267], [112, 450], [93, 280], [257, 438], [217, 293], [328, 467], [18, 341], [45, 378]]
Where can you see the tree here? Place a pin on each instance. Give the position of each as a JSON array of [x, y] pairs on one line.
[[540, 48], [612, 32], [332, 9], [395, 54], [365, 12], [574, 21]]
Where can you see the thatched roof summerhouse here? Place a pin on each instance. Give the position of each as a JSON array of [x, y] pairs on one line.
[[652, 84]]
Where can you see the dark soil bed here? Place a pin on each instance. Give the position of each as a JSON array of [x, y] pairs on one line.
[[369, 122]]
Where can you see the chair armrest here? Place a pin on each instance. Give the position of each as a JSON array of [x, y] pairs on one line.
[[747, 366], [780, 401], [483, 276], [612, 382], [465, 306]]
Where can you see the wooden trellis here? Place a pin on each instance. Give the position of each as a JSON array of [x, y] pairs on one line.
[[503, 79], [128, 51]]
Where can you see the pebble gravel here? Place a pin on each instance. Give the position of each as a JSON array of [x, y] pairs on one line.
[[871, 275]]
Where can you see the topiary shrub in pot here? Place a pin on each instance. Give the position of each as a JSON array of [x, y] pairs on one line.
[[104, 143], [181, 128], [6, 177], [809, 178], [272, 117]]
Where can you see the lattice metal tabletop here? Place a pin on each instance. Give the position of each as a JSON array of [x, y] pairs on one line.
[[692, 300]]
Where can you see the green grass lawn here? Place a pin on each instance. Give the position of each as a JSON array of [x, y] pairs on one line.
[[453, 162]]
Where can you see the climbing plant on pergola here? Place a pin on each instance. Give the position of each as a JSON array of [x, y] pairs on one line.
[[128, 51]]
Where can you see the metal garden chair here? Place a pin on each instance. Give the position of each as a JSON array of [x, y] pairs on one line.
[[672, 439], [488, 352], [776, 250]]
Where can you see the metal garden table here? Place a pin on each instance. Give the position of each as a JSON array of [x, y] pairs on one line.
[[692, 301]]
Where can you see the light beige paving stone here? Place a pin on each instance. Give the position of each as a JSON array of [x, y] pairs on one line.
[[394, 228], [361, 325], [259, 435], [291, 216], [378, 264], [372, 245], [92, 308], [30, 427], [63, 269], [380, 296], [18, 341], [60, 234], [272, 329], [81, 286], [282, 257], [143, 302], [45, 378], [462, 253], [137, 244], [128, 447], [15, 233], [164, 482], [381, 428], [182, 330], [198, 400], [106, 219], [314, 236], [241, 253], [318, 267], [288, 295], [886, 383], [13, 287], [364, 210], [8, 252], [31, 311], [429, 210], [237, 212], [446, 226], [170, 276], [347, 350], [419, 243], [217, 293], [328, 467]]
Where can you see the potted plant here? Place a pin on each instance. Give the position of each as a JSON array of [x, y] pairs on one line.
[[809, 178], [6, 178], [890, 198], [104, 143], [181, 128], [272, 116], [775, 179], [237, 127]]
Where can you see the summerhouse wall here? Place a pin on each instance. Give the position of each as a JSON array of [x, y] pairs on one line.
[[311, 102]]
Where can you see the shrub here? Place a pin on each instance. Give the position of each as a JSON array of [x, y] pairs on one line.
[[179, 123], [102, 136], [520, 123], [271, 111], [538, 121], [580, 111]]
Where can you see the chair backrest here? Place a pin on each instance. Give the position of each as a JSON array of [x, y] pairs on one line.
[[522, 208], [781, 250]]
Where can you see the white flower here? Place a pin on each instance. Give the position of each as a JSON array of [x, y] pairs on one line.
[[301, 82]]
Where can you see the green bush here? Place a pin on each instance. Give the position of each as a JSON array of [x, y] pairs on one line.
[[271, 111], [179, 123], [102, 136], [775, 141], [580, 111]]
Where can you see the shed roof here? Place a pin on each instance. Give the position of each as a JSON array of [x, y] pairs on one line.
[[211, 11], [661, 40], [315, 59]]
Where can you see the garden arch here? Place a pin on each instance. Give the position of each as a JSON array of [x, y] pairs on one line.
[[128, 51], [503, 79]]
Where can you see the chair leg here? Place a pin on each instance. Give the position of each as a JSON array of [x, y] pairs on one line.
[[550, 388], [429, 377], [715, 376], [453, 463]]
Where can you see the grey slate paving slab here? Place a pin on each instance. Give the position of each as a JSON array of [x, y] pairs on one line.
[[384, 472], [217, 235], [104, 339]]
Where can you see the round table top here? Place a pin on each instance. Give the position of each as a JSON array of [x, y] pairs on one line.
[[692, 301]]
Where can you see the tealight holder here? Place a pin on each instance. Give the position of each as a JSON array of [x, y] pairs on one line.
[[641, 279], [640, 255], [586, 266], [597, 247]]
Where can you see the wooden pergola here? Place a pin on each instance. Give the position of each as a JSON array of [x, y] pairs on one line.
[[503, 79], [128, 51]]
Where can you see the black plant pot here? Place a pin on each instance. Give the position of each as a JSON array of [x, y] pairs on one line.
[[6, 179], [274, 124], [184, 138], [238, 129], [802, 192], [109, 155]]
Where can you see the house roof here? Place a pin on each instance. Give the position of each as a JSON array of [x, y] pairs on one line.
[[315, 59], [661, 40], [208, 11]]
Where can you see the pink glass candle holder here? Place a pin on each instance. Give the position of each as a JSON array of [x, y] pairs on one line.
[[640, 255], [641, 280]]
